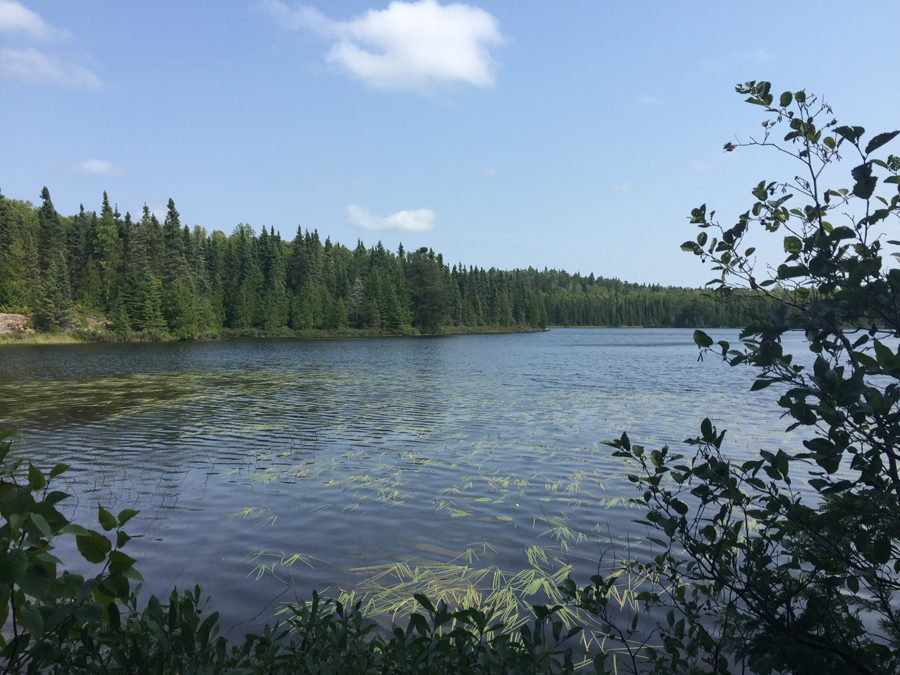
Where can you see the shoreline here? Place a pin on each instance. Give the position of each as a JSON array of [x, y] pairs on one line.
[[75, 337]]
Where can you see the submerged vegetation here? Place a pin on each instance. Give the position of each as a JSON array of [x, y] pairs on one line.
[[155, 281]]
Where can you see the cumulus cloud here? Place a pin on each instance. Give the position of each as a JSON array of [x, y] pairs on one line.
[[420, 220], [16, 18], [99, 167], [648, 100], [409, 45], [34, 67]]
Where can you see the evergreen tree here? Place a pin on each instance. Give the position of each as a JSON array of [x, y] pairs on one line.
[[108, 249], [19, 277], [427, 291], [54, 306], [51, 237]]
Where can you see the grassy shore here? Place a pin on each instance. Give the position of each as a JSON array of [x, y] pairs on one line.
[[98, 336]]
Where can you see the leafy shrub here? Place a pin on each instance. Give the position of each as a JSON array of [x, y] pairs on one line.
[[754, 576]]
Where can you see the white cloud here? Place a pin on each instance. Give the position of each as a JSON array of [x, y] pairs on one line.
[[34, 67], [622, 187], [489, 173], [419, 220], [15, 17], [648, 100], [409, 45], [99, 167], [758, 56]]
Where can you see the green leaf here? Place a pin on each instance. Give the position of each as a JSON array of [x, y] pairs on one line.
[[882, 550], [829, 142], [786, 99], [880, 140], [865, 181], [72, 528], [884, 355], [424, 601], [93, 547], [36, 581], [35, 478], [30, 618], [58, 469], [680, 507], [852, 134], [126, 515], [90, 611], [792, 245], [119, 562], [12, 565], [702, 340], [853, 584], [791, 271], [107, 520], [41, 523]]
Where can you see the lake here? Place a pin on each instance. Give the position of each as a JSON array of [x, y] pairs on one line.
[[463, 465]]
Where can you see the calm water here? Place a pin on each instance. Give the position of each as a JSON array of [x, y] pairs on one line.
[[343, 456]]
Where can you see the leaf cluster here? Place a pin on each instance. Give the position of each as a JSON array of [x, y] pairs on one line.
[[762, 570]]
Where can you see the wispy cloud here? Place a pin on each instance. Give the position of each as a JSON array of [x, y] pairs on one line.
[[420, 220], [34, 67], [648, 100], [410, 45], [99, 167], [16, 18], [489, 173], [621, 187], [757, 56]]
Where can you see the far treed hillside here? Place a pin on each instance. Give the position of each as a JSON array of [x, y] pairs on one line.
[[160, 279]]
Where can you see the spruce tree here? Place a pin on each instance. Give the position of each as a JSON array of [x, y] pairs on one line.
[[54, 307], [51, 237], [109, 253]]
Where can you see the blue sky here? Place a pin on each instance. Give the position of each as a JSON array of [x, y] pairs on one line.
[[573, 135]]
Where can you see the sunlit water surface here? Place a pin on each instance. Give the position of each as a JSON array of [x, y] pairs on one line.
[[341, 457]]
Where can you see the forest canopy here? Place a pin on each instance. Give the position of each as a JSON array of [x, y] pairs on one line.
[[170, 280]]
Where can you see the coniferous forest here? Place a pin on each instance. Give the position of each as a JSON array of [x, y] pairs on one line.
[[155, 280]]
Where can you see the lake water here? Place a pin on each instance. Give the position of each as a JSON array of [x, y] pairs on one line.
[[466, 459]]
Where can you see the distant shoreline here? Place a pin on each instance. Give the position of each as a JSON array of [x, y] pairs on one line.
[[13, 332]]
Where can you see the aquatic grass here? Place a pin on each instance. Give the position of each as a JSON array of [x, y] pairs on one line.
[[355, 446]]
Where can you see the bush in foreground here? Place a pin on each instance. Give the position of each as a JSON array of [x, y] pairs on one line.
[[790, 562]]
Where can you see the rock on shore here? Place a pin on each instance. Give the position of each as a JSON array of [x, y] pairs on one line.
[[14, 323]]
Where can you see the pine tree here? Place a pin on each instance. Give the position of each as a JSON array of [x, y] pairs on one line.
[[119, 315], [151, 317], [356, 302], [51, 238], [54, 306], [109, 254], [19, 278]]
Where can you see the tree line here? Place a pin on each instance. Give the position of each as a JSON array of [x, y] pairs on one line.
[[168, 279]]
